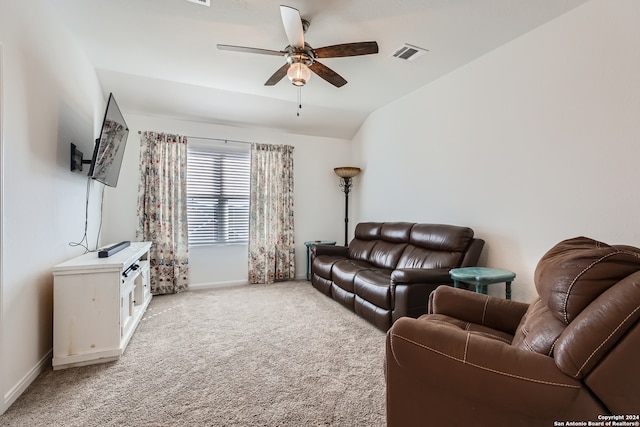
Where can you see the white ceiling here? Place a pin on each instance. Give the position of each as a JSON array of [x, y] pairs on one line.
[[159, 57]]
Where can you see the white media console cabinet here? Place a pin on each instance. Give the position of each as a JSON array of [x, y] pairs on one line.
[[97, 305]]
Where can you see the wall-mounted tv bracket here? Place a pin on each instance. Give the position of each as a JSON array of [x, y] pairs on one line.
[[76, 159]]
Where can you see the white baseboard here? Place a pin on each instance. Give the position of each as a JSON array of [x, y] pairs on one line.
[[22, 385], [212, 285]]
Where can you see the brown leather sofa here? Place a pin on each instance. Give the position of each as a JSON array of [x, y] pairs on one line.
[[571, 355], [390, 268]]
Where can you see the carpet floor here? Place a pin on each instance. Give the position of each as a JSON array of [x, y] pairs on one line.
[[255, 355]]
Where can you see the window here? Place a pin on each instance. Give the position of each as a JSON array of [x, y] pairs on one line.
[[217, 194]]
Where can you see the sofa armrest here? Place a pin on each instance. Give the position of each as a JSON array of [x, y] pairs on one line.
[[472, 255], [420, 275], [477, 368], [412, 287], [496, 313], [316, 250]]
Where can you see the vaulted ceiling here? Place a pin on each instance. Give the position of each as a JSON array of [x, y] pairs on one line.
[[159, 57]]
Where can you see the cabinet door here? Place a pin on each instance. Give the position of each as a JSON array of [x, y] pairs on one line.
[[126, 306], [143, 289]]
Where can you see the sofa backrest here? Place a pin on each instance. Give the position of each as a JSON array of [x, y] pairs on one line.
[[408, 245], [436, 246], [380, 243]]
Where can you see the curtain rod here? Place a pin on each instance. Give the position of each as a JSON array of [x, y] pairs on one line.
[[212, 139]]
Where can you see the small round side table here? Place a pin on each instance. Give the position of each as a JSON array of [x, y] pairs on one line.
[[480, 277], [315, 242]]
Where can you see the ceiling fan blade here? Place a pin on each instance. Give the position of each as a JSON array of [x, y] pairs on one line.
[[293, 26], [328, 74], [347, 49], [250, 50], [278, 75]]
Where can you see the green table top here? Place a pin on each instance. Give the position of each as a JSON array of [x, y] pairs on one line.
[[482, 274]]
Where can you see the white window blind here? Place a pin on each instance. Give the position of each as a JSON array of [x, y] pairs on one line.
[[217, 194]]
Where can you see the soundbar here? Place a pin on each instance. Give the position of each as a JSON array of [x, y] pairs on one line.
[[107, 252]]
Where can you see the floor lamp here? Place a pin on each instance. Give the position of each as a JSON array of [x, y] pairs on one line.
[[346, 173]]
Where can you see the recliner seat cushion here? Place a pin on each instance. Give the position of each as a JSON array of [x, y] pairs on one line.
[[472, 328], [538, 330]]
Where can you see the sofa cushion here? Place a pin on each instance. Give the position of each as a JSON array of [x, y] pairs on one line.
[[576, 271], [322, 265], [377, 242], [361, 249], [368, 230], [344, 272], [396, 232], [441, 237], [435, 246], [374, 286], [418, 257], [386, 254]]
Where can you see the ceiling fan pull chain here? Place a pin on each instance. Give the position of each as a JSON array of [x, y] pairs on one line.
[[299, 101]]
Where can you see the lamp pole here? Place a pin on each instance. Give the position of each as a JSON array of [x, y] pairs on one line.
[[345, 184], [346, 173]]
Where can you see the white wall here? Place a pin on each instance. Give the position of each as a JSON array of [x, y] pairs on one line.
[[50, 98], [536, 142], [318, 201]]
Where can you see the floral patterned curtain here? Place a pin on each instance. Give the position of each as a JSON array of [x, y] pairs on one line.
[[271, 244], [162, 210]]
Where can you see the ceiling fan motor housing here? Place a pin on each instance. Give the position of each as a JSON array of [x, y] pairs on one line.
[[305, 56]]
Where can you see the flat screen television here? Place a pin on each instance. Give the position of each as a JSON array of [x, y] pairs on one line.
[[109, 149]]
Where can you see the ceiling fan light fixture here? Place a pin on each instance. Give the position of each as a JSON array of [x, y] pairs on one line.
[[299, 73]]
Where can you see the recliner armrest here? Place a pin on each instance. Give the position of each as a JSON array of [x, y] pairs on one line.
[[478, 368], [496, 313], [420, 275]]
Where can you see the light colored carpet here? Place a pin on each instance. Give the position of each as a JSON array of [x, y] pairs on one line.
[[255, 355]]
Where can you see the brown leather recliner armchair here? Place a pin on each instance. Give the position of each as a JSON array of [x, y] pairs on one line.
[[571, 355]]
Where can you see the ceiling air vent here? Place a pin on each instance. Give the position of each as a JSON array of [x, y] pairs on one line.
[[409, 52], [202, 2]]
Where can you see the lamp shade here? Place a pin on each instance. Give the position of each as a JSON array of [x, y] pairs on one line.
[[346, 171], [299, 73]]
